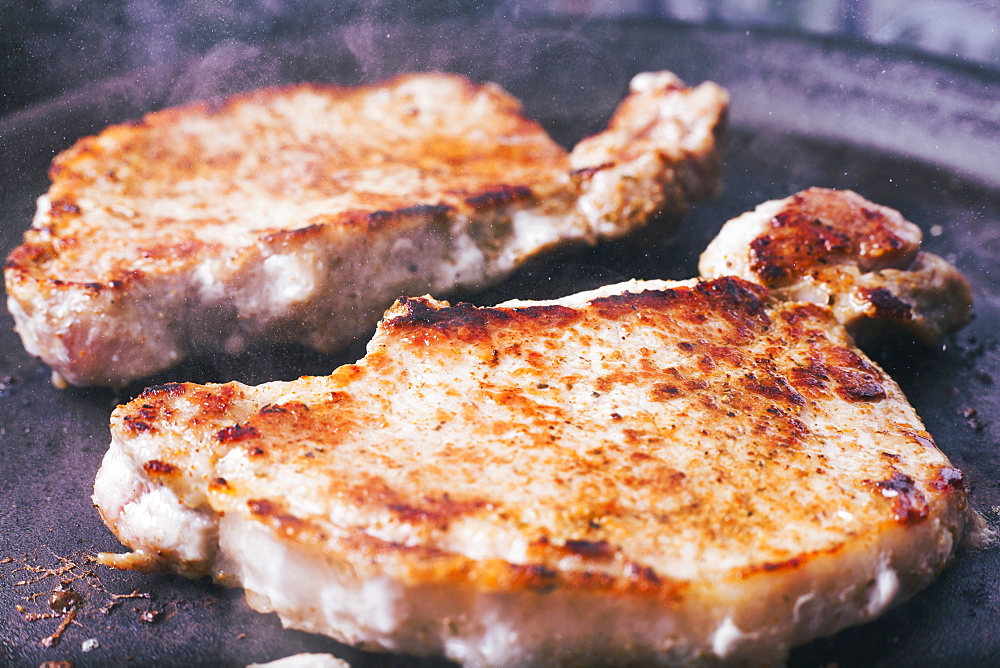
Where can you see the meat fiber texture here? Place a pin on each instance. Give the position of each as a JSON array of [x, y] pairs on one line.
[[838, 249], [299, 214], [667, 472]]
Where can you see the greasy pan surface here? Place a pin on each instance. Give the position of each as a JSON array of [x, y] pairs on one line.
[[917, 136]]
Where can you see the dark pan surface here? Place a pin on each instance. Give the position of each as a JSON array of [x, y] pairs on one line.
[[919, 136]]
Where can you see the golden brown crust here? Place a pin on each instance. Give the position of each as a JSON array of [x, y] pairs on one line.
[[653, 472], [152, 160], [298, 214], [837, 249], [594, 430], [822, 227], [651, 157]]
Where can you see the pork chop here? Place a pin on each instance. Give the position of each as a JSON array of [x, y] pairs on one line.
[[654, 471], [304, 661], [836, 248], [299, 214]]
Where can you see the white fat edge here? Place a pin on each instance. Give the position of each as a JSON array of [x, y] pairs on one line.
[[158, 518], [314, 593], [42, 213], [28, 333], [206, 276], [800, 602], [650, 82], [728, 637], [304, 660], [582, 299], [291, 280], [116, 483], [729, 252], [466, 264], [383, 602], [150, 517], [885, 589], [500, 640], [319, 593], [534, 231]]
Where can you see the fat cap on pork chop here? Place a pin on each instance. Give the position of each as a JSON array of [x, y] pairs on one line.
[[299, 214], [304, 661], [836, 248], [651, 471]]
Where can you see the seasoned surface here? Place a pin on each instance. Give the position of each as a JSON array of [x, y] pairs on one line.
[[221, 175], [834, 247], [298, 214], [688, 468]]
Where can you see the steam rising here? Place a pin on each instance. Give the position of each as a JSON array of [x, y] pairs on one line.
[[53, 48]]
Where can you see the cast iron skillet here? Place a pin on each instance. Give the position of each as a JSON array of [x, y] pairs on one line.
[[917, 135]]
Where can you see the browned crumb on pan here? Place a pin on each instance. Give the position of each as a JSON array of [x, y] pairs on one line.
[[64, 589]]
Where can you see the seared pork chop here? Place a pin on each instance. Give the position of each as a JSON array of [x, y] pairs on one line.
[[836, 248], [299, 214], [304, 661], [651, 471]]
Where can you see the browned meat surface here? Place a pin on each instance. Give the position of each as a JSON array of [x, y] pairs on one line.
[[838, 249], [299, 214], [651, 471]]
